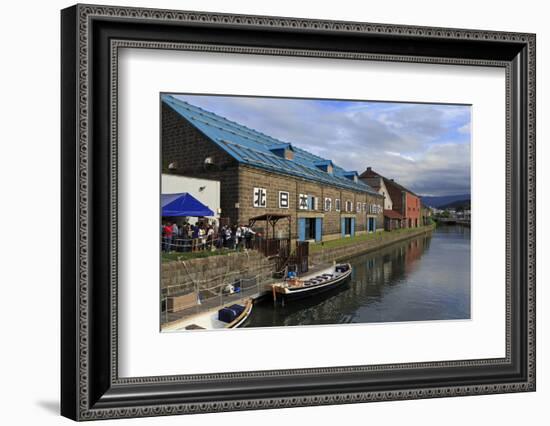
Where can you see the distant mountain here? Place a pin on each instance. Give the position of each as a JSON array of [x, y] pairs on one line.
[[443, 200], [457, 205]]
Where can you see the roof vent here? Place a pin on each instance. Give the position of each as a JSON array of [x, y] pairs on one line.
[[283, 150], [352, 175], [326, 166]]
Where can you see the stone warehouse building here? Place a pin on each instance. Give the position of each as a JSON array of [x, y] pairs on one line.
[[262, 175]]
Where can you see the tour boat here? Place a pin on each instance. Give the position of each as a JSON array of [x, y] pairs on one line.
[[231, 316], [312, 283]]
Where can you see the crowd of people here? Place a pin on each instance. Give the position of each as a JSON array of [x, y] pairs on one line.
[[205, 235]]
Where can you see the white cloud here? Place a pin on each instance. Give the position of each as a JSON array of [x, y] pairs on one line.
[[416, 144], [398, 154]]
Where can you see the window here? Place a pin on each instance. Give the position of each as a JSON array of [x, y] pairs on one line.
[[328, 204], [337, 204], [358, 207], [260, 198], [349, 206], [312, 202], [284, 199], [365, 207]]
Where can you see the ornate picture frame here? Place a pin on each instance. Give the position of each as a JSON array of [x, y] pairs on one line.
[[91, 386]]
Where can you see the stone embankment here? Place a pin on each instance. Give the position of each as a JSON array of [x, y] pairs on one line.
[[212, 273], [328, 255]]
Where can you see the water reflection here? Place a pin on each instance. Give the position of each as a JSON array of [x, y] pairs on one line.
[[424, 278]]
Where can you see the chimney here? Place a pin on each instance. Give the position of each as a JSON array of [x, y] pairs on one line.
[[369, 169]]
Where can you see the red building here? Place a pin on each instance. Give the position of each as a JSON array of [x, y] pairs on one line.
[[405, 202]]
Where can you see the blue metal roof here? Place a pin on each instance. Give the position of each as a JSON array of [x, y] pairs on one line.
[[251, 147]]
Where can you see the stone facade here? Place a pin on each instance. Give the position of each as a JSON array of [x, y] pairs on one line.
[[182, 278], [251, 178], [184, 150]]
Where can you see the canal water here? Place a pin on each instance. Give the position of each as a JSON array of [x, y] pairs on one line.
[[423, 278]]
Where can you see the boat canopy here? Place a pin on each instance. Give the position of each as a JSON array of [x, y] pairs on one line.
[[183, 204]]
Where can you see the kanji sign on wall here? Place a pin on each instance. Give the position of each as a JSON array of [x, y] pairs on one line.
[[283, 200], [375, 209], [302, 202], [260, 197]]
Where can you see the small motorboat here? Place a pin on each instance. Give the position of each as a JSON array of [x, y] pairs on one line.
[[226, 317], [310, 284]]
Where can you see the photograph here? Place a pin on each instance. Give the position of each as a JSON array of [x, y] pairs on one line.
[[279, 211]]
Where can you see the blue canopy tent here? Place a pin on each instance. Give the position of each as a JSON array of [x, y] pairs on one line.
[[183, 204]]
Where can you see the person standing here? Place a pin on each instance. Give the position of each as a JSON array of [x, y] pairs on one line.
[[189, 237], [202, 236], [175, 236], [195, 237], [248, 234], [168, 234], [229, 237], [210, 237], [239, 237]]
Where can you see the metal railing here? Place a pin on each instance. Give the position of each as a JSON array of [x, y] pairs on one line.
[[214, 297], [187, 244]]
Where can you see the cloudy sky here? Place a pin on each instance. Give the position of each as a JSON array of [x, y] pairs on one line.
[[425, 147]]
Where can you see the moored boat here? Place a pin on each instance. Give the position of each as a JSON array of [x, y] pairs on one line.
[[311, 284], [227, 317]]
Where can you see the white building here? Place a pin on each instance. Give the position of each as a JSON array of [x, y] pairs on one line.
[[205, 190], [377, 183]]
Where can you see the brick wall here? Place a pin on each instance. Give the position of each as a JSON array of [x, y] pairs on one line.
[[250, 178], [412, 210], [187, 147]]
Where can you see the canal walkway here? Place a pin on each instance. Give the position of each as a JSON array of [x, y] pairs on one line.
[[327, 253]]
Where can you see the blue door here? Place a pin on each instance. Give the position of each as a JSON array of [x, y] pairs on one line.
[[343, 227], [371, 224], [301, 229], [352, 232], [318, 229]]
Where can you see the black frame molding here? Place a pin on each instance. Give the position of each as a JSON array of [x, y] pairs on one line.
[[90, 38]]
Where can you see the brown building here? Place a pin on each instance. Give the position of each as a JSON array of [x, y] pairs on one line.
[[261, 175], [406, 203]]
